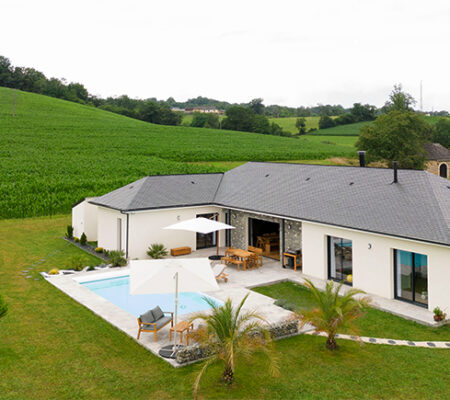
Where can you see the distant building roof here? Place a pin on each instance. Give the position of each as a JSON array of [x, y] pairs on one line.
[[417, 207], [435, 151]]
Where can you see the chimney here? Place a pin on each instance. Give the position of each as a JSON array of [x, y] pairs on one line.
[[395, 172], [362, 158]]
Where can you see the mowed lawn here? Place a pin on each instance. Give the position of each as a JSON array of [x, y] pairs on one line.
[[53, 152], [54, 348]]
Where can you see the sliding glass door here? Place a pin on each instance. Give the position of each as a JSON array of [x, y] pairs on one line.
[[340, 259], [207, 239], [411, 277]]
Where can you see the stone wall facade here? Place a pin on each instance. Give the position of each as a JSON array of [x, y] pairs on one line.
[[240, 235], [433, 167]]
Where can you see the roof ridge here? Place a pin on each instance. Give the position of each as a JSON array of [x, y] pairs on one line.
[[434, 182]]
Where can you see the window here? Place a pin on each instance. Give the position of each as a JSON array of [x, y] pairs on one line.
[[411, 277], [340, 260]]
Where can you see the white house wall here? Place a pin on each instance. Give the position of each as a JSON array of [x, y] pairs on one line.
[[84, 219], [107, 229], [146, 227], [373, 269]]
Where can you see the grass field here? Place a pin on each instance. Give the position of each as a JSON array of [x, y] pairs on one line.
[[288, 123], [55, 152], [54, 348]]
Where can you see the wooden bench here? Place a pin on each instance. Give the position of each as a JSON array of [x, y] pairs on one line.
[[180, 251]]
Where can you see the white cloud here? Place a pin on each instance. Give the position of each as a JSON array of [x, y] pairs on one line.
[[288, 52]]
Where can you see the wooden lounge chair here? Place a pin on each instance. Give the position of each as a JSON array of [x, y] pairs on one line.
[[219, 272], [153, 321]]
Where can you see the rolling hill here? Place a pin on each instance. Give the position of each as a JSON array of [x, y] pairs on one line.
[[56, 152]]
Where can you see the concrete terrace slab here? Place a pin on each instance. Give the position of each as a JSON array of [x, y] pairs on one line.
[[238, 286]]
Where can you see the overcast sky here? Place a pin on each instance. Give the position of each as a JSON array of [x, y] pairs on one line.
[[287, 52]]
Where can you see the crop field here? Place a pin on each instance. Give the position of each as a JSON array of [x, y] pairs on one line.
[[54, 153], [288, 123]]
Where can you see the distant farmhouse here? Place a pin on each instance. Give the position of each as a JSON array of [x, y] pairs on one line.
[[204, 109], [438, 160]]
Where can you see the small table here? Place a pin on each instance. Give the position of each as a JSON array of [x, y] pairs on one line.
[[182, 327]]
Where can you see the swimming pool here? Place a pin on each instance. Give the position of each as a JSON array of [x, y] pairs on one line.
[[117, 291]]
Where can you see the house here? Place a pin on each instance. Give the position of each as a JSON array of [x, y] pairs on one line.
[[203, 109], [438, 159], [383, 231]]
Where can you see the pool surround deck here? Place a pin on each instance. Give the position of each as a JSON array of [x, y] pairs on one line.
[[238, 285]]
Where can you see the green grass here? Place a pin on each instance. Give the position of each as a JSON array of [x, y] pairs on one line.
[[54, 348], [288, 123], [375, 323], [341, 130], [53, 152]]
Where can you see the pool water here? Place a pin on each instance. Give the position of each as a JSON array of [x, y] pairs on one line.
[[117, 291]]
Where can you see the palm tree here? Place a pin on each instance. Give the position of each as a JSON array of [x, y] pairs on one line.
[[333, 312], [157, 251], [230, 333]]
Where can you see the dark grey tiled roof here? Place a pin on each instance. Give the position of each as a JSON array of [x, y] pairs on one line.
[[163, 191], [416, 207], [435, 151]]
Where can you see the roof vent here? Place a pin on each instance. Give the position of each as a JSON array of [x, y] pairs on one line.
[[131, 187], [267, 175], [307, 179], [351, 183], [193, 182], [395, 173]]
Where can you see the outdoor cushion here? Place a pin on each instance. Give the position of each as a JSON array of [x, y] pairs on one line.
[[161, 322], [147, 317], [157, 313], [146, 326]]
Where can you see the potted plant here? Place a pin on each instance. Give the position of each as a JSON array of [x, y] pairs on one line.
[[439, 315]]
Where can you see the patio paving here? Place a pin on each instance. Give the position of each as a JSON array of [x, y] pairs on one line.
[[238, 286]]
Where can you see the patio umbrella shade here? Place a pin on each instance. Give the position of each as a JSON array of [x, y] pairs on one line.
[[201, 225], [172, 275]]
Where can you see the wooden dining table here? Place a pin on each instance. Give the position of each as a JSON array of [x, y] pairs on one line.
[[242, 254]]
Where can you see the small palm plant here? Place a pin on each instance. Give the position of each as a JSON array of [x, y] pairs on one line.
[[117, 258], [157, 250], [229, 333], [333, 312]]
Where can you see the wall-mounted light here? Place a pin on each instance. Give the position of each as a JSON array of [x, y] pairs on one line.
[[178, 217], [289, 226], [369, 246]]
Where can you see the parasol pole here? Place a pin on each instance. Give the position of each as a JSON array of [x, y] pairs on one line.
[[174, 349]]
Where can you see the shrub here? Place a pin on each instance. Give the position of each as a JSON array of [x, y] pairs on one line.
[[77, 263], [116, 258], [69, 233], [54, 271], [3, 307], [76, 240], [99, 249], [83, 239], [157, 250]]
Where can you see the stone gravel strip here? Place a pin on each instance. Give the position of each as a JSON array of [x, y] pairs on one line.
[[392, 342]]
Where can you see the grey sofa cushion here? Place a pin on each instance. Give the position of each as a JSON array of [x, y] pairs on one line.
[[162, 321], [157, 313], [147, 317]]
